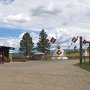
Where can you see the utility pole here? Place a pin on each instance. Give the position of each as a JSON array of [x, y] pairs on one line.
[[80, 50]]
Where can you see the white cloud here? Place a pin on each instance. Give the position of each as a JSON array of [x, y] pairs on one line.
[[21, 35], [50, 35], [18, 18], [35, 38], [11, 42], [14, 20], [49, 9], [0, 15], [48, 13]]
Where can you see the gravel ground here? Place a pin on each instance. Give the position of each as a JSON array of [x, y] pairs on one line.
[[43, 75]]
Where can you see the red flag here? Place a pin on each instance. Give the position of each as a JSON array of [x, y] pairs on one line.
[[52, 40], [74, 47], [74, 39]]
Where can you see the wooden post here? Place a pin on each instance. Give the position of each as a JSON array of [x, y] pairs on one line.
[[80, 50]]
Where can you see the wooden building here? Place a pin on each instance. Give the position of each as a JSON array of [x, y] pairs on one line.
[[4, 53]]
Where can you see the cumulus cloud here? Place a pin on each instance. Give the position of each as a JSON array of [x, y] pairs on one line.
[[6, 1], [18, 18], [21, 35], [49, 13], [35, 38], [0, 15], [10, 42], [49, 9], [14, 20]]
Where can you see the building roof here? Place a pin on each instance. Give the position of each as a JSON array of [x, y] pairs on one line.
[[38, 53], [12, 48]]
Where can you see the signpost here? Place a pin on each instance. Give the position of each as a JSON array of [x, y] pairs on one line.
[[88, 48]]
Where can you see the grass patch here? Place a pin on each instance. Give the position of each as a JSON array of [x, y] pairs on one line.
[[85, 66], [73, 55]]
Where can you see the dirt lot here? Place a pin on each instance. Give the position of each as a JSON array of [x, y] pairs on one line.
[[43, 75]]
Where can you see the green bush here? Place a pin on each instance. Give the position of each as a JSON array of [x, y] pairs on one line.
[[84, 65]]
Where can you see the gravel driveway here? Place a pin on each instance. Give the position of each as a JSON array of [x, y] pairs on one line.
[[43, 75]]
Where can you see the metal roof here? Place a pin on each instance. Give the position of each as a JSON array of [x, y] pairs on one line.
[[12, 48]]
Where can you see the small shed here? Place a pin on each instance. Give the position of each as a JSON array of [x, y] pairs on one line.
[[4, 53]]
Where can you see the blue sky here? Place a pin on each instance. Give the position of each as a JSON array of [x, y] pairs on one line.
[[61, 19], [6, 32]]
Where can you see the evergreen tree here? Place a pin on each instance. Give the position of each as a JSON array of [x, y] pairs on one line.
[[43, 43], [26, 44]]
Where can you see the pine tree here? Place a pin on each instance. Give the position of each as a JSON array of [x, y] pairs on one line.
[[43, 43], [26, 44]]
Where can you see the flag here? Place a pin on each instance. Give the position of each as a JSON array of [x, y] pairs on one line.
[[74, 39], [53, 40], [74, 47]]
